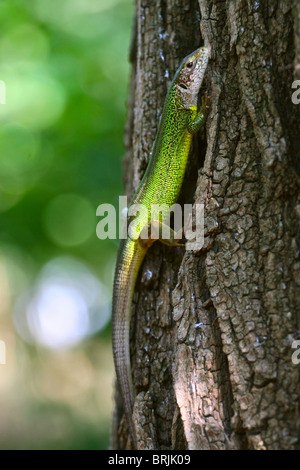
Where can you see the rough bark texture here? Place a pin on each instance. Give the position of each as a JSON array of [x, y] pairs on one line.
[[212, 331]]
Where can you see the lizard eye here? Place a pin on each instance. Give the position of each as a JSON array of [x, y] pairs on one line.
[[182, 85], [189, 65]]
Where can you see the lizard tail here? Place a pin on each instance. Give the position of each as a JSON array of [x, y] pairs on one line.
[[130, 257]]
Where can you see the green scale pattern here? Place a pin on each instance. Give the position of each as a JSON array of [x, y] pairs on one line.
[[160, 184]]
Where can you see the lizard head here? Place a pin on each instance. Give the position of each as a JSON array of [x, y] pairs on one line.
[[189, 77]]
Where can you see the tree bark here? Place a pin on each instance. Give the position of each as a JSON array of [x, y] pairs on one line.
[[212, 331]]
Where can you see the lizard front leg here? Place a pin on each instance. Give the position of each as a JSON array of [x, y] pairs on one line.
[[197, 121]]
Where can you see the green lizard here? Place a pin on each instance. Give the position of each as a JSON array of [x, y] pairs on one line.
[[161, 184]]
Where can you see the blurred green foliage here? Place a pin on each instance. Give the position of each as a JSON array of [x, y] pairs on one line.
[[65, 69], [65, 66]]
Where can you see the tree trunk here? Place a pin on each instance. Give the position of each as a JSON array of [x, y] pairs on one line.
[[212, 331]]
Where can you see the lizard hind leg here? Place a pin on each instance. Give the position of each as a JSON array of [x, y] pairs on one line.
[[157, 230]]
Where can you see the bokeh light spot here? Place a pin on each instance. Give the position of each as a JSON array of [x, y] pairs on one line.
[[23, 43], [58, 315], [67, 304], [34, 99], [69, 220]]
